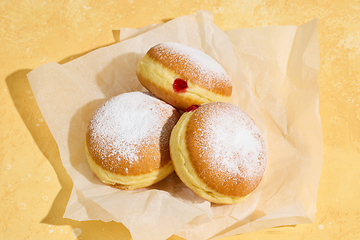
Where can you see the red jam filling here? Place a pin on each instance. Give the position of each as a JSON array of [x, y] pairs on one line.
[[180, 85], [192, 108]]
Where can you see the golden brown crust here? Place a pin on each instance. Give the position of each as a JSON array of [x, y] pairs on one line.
[[226, 181], [183, 76], [190, 70], [128, 182], [169, 96], [145, 155], [153, 157]]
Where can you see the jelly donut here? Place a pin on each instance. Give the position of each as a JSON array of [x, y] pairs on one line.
[[127, 140], [218, 152], [183, 76]]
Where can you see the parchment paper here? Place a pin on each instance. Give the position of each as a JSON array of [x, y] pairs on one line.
[[274, 74]]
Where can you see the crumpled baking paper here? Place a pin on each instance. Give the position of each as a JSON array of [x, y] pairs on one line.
[[274, 75]]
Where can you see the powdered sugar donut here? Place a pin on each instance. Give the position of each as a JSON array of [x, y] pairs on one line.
[[127, 140], [183, 76], [218, 152]]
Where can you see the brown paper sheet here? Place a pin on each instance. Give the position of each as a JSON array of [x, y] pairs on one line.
[[274, 74]]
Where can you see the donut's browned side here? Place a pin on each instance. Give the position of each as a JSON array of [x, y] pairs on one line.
[[153, 157], [159, 68], [189, 71], [192, 165], [237, 187]]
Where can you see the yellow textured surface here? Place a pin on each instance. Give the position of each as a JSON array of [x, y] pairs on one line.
[[34, 185]]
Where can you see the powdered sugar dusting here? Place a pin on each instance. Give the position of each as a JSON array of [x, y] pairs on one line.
[[199, 63], [124, 123], [235, 142]]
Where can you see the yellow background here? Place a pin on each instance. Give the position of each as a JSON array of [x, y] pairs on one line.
[[35, 186]]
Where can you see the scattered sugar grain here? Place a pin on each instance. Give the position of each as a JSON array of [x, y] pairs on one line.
[[321, 227]]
